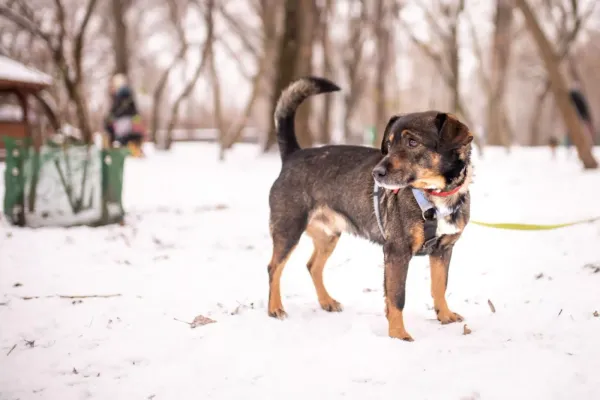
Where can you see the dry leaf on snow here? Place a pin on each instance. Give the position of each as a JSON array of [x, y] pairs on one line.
[[201, 320], [466, 330]]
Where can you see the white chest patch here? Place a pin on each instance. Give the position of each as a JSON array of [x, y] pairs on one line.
[[445, 228]]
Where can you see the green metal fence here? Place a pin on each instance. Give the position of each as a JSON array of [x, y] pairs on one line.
[[62, 185]]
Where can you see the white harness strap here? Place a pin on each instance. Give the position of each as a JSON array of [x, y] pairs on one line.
[[424, 204], [376, 207]]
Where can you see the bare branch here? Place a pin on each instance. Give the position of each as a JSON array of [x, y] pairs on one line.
[[433, 23], [24, 23], [435, 57], [579, 21], [174, 16], [477, 49], [189, 87], [236, 57], [243, 32], [79, 37]]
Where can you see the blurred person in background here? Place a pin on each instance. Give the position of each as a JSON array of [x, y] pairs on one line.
[[124, 123]]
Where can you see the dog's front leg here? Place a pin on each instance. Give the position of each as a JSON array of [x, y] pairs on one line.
[[439, 262], [396, 268]]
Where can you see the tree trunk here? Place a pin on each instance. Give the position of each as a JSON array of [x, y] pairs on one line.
[[119, 8], [286, 62], [496, 131], [306, 36], [325, 128], [236, 129], [455, 105], [534, 129], [268, 12], [191, 84], [48, 110], [348, 107], [352, 59], [216, 92], [158, 94], [559, 88], [382, 50]]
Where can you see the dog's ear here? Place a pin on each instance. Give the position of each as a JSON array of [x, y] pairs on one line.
[[386, 133], [453, 134]]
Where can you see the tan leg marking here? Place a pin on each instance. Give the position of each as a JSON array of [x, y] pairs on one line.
[[439, 280], [275, 269], [324, 246], [396, 322]]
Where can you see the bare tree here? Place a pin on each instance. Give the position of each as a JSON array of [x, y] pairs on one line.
[[66, 55], [267, 11], [353, 61], [289, 47], [558, 86], [307, 20], [325, 12], [382, 45], [567, 28], [120, 36], [446, 59], [191, 83], [485, 79], [497, 123], [216, 85], [176, 12]]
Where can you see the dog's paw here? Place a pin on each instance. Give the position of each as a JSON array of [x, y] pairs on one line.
[[332, 306], [402, 335], [278, 313], [447, 317]]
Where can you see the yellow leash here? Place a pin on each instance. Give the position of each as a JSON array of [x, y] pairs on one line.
[[532, 227]]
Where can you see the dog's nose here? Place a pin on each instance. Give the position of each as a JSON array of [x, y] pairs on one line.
[[379, 171]]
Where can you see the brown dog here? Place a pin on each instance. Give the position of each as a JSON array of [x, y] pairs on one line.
[[412, 197]]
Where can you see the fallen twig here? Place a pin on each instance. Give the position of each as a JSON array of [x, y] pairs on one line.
[[72, 297], [491, 306], [89, 296], [560, 312], [179, 320], [11, 350]]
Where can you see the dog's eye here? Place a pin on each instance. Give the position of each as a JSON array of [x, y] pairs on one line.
[[412, 143]]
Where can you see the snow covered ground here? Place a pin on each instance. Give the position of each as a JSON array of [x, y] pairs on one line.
[[196, 243]]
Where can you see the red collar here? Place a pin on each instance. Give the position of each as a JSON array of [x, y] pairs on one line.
[[436, 192], [443, 194]]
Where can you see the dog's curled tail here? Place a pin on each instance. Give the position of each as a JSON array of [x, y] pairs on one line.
[[288, 102]]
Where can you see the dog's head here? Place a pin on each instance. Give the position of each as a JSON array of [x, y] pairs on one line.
[[428, 150]]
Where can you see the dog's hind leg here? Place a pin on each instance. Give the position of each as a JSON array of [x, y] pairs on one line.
[[285, 234], [324, 243]]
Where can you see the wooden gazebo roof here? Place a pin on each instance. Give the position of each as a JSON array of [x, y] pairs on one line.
[[15, 76], [23, 81]]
